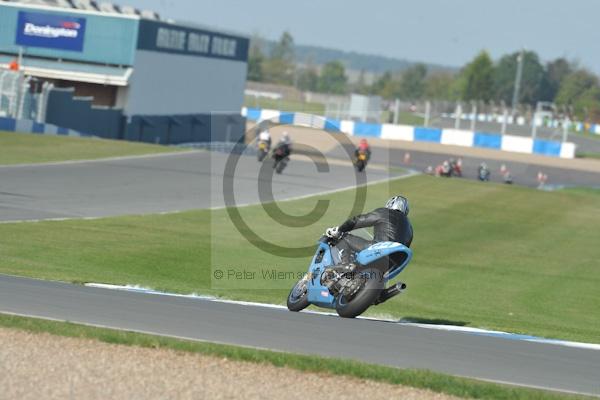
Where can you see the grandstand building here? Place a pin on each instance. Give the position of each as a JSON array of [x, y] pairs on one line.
[[128, 73]]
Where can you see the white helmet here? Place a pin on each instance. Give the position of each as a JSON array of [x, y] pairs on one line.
[[398, 203]]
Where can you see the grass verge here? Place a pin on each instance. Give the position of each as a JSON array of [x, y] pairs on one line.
[[487, 255], [467, 388], [284, 105], [26, 148], [588, 155]]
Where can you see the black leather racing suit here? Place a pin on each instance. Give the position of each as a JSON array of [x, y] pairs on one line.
[[366, 150], [388, 226], [286, 148]]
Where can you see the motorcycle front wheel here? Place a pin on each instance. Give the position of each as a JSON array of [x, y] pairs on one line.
[[298, 298], [371, 286], [281, 166]]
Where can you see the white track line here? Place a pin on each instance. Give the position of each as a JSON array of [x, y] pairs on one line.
[[59, 219], [449, 328]]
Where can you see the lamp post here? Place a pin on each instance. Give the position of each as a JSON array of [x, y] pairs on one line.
[[518, 78]]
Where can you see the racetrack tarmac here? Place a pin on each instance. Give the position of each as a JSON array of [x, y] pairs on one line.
[[518, 362], [194, 180], [155, 184], [524, 174]]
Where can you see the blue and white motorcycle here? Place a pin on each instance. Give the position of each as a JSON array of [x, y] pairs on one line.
[[350, 289]]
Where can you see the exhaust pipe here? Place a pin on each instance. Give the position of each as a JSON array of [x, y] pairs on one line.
[[390, 292]]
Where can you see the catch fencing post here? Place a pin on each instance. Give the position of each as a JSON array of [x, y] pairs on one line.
[[566, 126], [13, 93], [23, 89], [396, 112], [474, 112], [534, 119], [458, 116], [504, 121], [3, 74], [518, 78], [427, 113], [43, 102]]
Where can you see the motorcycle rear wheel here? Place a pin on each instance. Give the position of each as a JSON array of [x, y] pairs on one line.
[[366, 296]]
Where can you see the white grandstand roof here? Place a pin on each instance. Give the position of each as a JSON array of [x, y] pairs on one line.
[[90, 6], [107, 8], [128, 10]]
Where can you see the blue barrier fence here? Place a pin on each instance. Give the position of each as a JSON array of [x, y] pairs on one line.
[[463, 138], [29, 126]]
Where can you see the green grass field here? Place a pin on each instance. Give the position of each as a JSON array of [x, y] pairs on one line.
[[588, 155], [25, 148], [405, 117], [486, 255], [461, 387], [586, 134], [284, 105]]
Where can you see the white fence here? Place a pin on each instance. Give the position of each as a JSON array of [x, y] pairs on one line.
[[22, 97]]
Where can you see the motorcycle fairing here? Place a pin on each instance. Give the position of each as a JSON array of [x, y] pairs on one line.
[[384, 249]]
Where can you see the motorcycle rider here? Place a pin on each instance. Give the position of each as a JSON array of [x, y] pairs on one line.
[[446, 169], [363, 148], [484, 172], [284, 144], [265, 136], [455, 167], [390, 224]]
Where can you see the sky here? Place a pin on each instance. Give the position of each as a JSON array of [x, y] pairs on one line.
[[446, 32]]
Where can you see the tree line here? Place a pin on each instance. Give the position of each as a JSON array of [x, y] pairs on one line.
[[572, 88], [279, 66]]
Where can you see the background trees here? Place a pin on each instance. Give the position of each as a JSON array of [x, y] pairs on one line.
[[580, 91], [572, 88], [477, 79], [412, 83], [280, 67], [532, 80], [256, 59], [333, 78]]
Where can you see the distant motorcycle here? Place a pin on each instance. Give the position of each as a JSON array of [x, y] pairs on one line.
[[455, 169], [484, 174], [280, 159], [360, 163], [444, 170], [263, 150]]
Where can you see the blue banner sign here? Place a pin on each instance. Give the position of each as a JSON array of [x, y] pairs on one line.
[[52, 31]]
